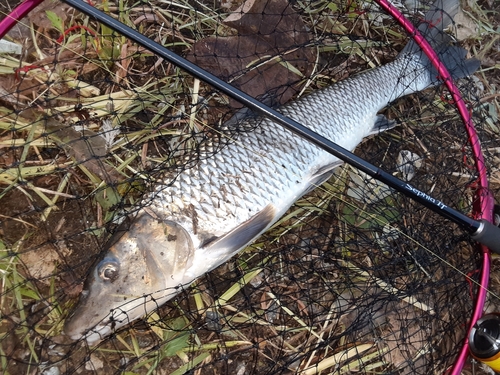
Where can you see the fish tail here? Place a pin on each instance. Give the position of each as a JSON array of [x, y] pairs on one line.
[[439, 16]]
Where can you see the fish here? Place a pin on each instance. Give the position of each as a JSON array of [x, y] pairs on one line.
[[215, 208]]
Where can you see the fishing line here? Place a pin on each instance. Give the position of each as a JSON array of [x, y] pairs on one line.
[[482, 231], [408, 237], [232, 139], [484, 196]]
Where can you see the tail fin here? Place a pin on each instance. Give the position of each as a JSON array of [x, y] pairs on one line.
[[438, 17]]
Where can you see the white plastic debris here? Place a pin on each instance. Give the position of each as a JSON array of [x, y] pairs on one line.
[[390, 232], [9, 47], [407, 163]]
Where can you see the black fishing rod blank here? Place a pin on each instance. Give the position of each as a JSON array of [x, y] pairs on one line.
[[481, 231]]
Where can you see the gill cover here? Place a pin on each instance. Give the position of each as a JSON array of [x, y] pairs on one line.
[[142, 268]]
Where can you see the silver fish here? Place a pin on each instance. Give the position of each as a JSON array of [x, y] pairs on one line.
[[216, 208]]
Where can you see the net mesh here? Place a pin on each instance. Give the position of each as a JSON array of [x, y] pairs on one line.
[[355, 278]]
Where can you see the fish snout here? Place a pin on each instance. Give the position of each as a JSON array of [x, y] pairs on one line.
[[80, 321]]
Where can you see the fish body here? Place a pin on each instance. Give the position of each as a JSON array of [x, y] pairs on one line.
[[214, 209]]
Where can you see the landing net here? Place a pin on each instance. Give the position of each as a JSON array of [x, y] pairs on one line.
[[355, 278]]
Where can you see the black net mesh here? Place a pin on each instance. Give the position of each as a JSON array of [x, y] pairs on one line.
[[354, 278]]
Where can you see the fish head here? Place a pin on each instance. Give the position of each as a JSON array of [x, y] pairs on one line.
[[143, 268]]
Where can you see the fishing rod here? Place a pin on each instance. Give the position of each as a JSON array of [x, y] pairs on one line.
[[481, 231]]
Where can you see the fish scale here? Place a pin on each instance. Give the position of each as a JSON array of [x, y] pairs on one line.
[[278, 163]]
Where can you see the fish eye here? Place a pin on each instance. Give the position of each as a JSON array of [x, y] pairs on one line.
[[108, 270]]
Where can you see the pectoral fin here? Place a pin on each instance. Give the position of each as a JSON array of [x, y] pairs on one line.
[[382, 124], [322, 175], [226, 246]]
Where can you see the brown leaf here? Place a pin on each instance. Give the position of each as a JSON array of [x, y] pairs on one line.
[[39, 16], [88, 148], [270, 36], [10, 96], [466, 26], [42, 262]]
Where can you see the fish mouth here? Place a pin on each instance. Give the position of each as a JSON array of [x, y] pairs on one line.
[[79, 331], [92, 335]]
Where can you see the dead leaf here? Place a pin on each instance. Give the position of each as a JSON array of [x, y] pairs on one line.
[[39, 16], [94, 363], [72, 286], [7, 96], [86, 147], [42, 262], [404, 336], [466, 27], [266, 58], [122, 64]]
